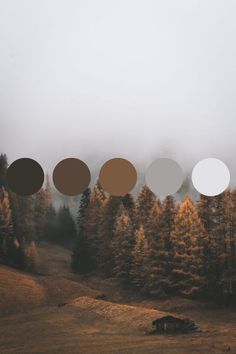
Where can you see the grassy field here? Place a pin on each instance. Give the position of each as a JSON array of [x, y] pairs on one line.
[[31, 321]]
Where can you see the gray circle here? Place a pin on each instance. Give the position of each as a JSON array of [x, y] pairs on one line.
[[164, 177]]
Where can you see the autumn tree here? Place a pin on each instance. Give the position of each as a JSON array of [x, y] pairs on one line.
[[87, 253], [222, 243], [129, 204], [138, 272], [187, 276], [145, 201], [157, 255], [121, 244], [42, 202], [167, 217], [207, 211], [106, 233], [6, 227]]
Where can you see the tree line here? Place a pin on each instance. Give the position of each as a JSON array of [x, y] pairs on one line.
[[27, 220], [160, 247]]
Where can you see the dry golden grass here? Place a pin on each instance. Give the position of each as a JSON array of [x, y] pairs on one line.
[[18, 290], [131, 316]]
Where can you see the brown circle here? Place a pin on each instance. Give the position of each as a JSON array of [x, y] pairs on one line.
[[25, 176], [118, 176], [71, 176]]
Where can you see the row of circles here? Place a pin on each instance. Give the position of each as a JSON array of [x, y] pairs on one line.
[[118, 176]]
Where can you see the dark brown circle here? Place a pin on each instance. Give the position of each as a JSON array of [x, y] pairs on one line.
[[118, 176], [25, 176], [71, 176]]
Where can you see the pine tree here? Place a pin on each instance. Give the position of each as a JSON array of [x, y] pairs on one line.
[[223, 243], [205, 211], [146, 200], [3, 170], [121, 245], [128, 202], [208, 209], [84, 202], [139, 253], [80, 253], [229, 271], [157, 255], [23, 217], [51, 224], [41, 204], [167, 217], [187, 235], [66, 233], [105, 234], [6, 228], [87, 251]]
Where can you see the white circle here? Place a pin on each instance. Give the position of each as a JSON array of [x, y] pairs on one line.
[[210, 177]]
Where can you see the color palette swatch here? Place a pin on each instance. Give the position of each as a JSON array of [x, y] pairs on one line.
[[164, 177], [25, 176], [210, 177], [118, 176], [71, 176]]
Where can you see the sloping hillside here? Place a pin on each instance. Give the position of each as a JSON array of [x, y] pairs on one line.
[[18, 291], [31, 322]]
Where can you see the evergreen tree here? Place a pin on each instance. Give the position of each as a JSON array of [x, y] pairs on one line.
[[167, 217], [87, 252], [222, 243], [51, 224], [84, 202], [6, 228], [139, 253], [66, 233], [146, 200], [23, 217], [206, 210], [16, 222], [229, 270], [3, 170], [121, 244], [41, 204], [128, 202], [105, 232], [157, 255], [187, 235], [79, 261], [10, 248]]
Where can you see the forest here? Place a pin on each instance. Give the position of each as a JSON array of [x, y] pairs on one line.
[[159, 248]]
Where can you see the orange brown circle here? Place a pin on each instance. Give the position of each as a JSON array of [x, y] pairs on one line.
[[25, 176], [118, 176], [71, 176]]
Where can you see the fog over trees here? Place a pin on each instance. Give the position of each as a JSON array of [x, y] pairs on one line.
[[134, 79]]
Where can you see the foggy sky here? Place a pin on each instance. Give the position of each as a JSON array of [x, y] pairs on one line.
[[135, 79]]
